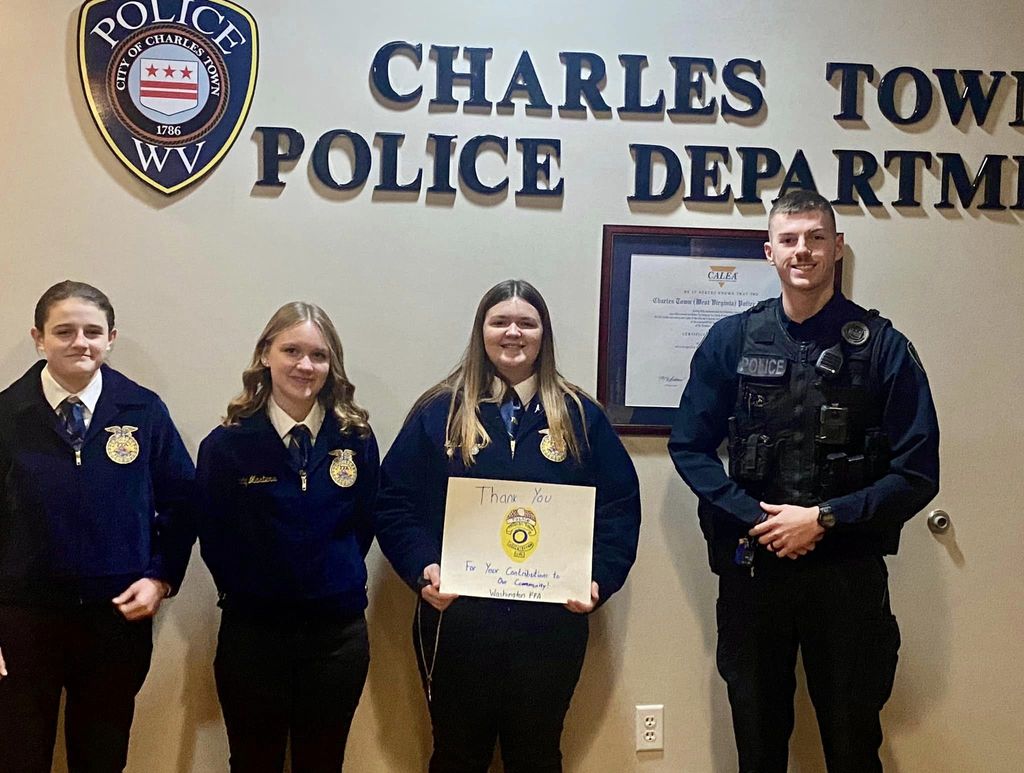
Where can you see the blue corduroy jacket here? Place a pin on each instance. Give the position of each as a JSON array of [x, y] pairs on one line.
[[73, 533], [269, 544]]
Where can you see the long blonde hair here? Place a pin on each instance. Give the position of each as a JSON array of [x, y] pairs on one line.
[[470, 383], [337, 392]]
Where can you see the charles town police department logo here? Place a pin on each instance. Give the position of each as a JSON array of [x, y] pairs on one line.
[[169, 82]]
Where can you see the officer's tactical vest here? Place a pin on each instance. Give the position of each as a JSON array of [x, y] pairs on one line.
[[806, 427]]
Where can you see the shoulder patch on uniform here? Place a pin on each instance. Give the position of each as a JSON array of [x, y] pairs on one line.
[[915, 356]]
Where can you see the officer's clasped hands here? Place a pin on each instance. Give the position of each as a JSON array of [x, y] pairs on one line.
[[789, 531]]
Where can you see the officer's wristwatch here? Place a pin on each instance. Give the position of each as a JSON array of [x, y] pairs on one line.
[[826, 518]]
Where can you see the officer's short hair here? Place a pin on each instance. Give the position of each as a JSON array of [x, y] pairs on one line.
[[801, 200]]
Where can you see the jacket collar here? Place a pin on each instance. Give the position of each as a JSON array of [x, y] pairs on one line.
[[823, 325], [262, 430], [118, 393], [533, 416]]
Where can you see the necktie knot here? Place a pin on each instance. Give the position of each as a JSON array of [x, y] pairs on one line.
[[299, 444], [72, 414]]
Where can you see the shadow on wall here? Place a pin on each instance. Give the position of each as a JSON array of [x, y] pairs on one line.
[[392, 693], [688, 551], [922, 605], [601, 669], [184, 644]]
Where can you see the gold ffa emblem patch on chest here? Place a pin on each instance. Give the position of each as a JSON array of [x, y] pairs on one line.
[[343, 468], [553, 450], [122, 448]]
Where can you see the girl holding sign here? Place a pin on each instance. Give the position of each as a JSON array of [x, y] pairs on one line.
[[496, 669], [286, 486]]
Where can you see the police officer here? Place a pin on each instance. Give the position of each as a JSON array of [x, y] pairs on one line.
[[832, 445], [94, 533]]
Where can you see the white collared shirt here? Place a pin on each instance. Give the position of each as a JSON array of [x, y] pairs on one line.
[[55, 394], [526, 388], [284, 423]]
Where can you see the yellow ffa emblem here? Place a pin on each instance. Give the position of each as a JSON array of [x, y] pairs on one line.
[[343, 469], [520, 532], [122, 448], [554, 450]]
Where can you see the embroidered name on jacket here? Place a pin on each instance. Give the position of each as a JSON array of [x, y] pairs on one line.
[[255, 480]]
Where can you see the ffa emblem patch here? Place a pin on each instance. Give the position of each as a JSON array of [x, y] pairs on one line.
[[168, 82], [343, 469], [553, 450], [122, 448], [520, 532]]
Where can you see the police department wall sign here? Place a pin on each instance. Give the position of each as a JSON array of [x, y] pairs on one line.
[[169, 82]]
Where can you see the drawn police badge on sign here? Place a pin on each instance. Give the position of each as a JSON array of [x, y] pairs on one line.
[[169, 82], [520, 533]]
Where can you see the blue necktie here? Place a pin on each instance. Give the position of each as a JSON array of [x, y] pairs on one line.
[[72, 416], [299, 445], [511, 410]]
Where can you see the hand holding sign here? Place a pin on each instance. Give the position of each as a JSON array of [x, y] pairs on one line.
[[519, 540]]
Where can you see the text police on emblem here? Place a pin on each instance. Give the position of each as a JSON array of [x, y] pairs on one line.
[[168, 82]]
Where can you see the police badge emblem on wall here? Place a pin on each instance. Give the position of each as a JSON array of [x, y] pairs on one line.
[[169, 82]]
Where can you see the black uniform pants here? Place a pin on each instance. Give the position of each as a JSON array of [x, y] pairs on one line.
[[293, 675], [93, 653], [505, 672], [835, 611]]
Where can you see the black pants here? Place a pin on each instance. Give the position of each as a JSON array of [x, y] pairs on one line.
[[506, 672], [91, 651], [298, 676], [835, 610]]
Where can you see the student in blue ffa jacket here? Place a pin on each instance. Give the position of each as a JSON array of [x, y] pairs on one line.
[[94, 486], [287, 487], [503, 670]]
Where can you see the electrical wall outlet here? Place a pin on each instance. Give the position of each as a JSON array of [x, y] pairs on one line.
[[650, 727]]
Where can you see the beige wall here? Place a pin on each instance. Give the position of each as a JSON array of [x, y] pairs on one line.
[[194, 277]]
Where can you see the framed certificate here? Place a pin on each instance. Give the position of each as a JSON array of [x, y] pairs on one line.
[[661, 289], [515, 540]]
